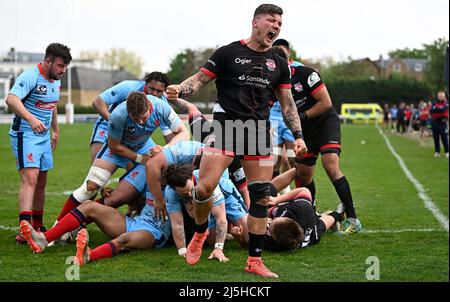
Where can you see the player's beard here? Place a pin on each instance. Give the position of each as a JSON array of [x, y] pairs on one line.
[[53, 75]]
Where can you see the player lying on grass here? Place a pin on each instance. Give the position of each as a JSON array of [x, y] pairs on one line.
[[129, 139], [228, 205], [293, 222], [294, 211], [140, 232], [284, 179]]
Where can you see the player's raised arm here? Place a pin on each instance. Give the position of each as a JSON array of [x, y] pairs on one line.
[[189, 86]]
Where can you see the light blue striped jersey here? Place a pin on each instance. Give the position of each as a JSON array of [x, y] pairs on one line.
[[39, 95], [132, 135]]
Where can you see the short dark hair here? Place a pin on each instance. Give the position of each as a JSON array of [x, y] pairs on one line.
[[267, 9], [55, 50], [279, 51], [178, 175], [281, 42], [137, 103], [157, 76], [287, 234]]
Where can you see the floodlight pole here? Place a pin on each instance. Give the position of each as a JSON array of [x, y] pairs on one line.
[[69, 105]]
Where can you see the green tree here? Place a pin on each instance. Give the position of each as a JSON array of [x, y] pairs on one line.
[[350, 69], [435, 53], [434, 72], [90, 55], [394, 90], [294, 55], [177, 68], [185, 64], [119, 58], [407, 53]]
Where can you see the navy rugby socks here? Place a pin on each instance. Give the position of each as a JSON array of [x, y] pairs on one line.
[[345, 195]]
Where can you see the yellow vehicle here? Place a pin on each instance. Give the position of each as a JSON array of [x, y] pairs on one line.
[[361, 113]]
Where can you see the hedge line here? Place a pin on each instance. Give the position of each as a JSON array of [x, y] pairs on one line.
[[380, 91]]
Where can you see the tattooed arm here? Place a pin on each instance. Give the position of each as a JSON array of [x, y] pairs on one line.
[[185, 107], [189, 86], [290, 114], [292, 120]]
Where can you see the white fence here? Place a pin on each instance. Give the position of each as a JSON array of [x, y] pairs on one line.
[[78, 118], [90, 118]]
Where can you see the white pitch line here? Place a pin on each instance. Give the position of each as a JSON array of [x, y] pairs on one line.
[[429, 204], [8, 228], [365, 231], [395, 231], [67, 193]]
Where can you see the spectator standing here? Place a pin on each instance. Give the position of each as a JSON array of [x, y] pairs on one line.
[[386, 116], [401, 118], [393, 118], [439, 123]]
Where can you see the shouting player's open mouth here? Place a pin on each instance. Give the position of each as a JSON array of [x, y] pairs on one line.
[[271, 35]]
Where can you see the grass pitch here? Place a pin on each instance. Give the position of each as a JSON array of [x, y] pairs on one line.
[[406, 238]]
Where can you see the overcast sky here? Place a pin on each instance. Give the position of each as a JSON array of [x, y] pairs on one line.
[[158, 30]]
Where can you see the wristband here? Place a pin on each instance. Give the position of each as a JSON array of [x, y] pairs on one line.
[[218, 245], [182, 251], [138, 158], [298, 135], [303, 116]]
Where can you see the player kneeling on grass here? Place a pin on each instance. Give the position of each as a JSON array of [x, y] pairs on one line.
[[228, 206], [141, 232]]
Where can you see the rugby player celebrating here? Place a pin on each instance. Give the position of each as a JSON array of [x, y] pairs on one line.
[[247, 72]]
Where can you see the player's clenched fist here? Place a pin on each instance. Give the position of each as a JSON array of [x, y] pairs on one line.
[[300, 147], [172, 92]]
